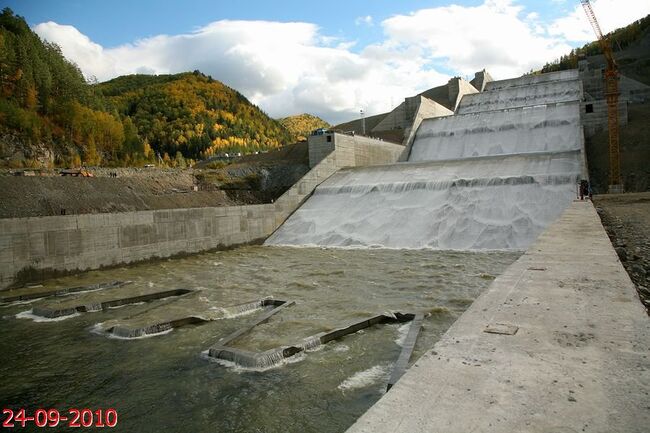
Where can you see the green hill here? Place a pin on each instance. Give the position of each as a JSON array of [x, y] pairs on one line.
[[302, 124], [193, 114], [50, 115]]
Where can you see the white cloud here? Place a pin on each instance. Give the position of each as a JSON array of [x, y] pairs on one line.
[[286, 68], [496, 35], [89, 56], [367, 20], [292, 67], [611, 14]]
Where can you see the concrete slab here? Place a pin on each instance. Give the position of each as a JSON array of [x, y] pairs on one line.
[[29, 293], [579, 360], [274, 356], [177, 312], [99, 301], [407, 349]]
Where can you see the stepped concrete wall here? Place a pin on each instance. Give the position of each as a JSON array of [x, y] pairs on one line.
[[396, 119], [594, 85]]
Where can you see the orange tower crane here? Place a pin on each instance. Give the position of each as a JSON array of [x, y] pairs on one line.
[[611, 95]]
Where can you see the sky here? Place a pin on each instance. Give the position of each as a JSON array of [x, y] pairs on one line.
[[329, 58]]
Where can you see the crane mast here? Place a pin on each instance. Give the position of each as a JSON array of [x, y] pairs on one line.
[[611, 96]]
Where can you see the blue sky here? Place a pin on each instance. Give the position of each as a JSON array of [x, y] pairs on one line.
[[115, 22], [330, 58]]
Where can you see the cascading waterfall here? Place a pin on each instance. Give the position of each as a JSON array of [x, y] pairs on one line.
[[123, 332], [269, 359], [481, 180], [255, 361], [311, 343], [523, 130], [398, 207], [91, 308], [533, 94], [242, 309]]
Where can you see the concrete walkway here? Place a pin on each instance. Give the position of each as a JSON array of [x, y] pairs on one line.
[[579, 360]]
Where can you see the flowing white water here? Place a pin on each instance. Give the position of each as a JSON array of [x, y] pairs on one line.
[[29, 315], [157, 375], [493, 178], [521, 96], [528, 80], [479, 203], [530, 129], [365, 378]]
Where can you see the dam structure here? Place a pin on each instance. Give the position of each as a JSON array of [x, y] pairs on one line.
[[493, 175], [552, 339]]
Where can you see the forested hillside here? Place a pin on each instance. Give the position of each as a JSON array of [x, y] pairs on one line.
[[193, 114], [302, 124], [50, 115]]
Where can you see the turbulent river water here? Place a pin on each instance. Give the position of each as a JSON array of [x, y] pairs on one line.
[[167, 383]]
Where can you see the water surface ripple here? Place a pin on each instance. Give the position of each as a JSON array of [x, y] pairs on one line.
[[163, 383]]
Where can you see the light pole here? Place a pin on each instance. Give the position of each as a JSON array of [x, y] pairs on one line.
[[363, 123]]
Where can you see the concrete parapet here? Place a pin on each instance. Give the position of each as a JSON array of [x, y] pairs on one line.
[[458, 88], [426, 109]]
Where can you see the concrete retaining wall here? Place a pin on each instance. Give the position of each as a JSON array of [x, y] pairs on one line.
[[66, 243], [595, 119], [33, 248]]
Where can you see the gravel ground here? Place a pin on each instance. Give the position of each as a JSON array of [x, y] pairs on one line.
[[42, 196], [626, 218], [135, 189], [251, 179]]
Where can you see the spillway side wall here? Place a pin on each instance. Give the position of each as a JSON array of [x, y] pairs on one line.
[[35, 248]]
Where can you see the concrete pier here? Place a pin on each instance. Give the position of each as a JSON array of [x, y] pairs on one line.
[[274, 356], [101, 303], [567, 348]]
